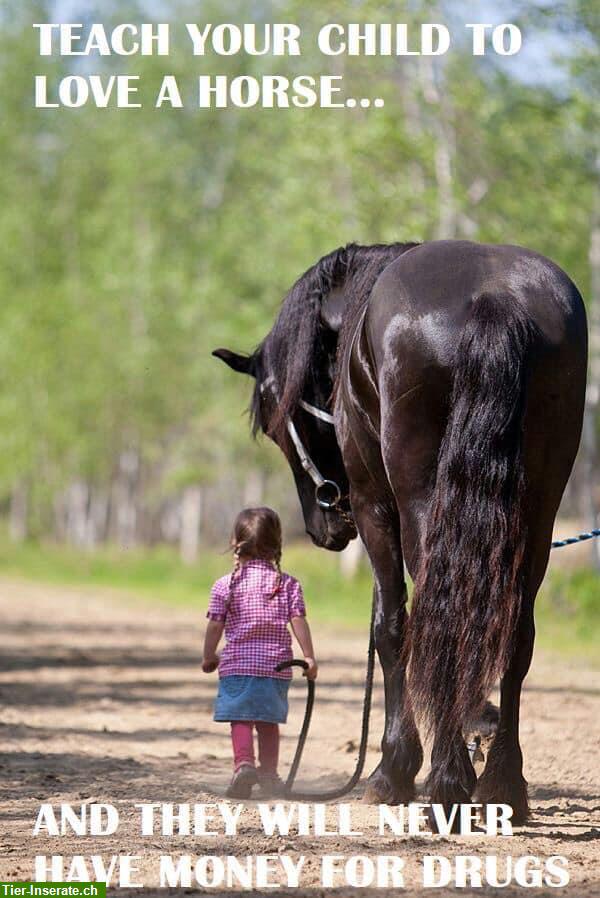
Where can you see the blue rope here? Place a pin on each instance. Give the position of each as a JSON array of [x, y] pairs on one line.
[[559, 543]]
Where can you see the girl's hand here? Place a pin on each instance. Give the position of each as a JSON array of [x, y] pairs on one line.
[[312, 669], [210, 664]]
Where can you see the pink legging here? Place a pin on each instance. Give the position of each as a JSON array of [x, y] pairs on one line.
[[243, 744]]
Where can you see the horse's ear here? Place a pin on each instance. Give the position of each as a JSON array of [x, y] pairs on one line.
[[332, 309], [244, 364]]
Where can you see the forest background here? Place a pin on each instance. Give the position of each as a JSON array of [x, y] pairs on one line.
[[133, 242]]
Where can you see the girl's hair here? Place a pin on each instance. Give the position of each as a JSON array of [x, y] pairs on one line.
[[256, 534]]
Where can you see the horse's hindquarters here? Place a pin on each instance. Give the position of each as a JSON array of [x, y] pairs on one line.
[[481, 397]]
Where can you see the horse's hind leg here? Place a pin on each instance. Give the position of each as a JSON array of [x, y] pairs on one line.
[[393, 781], [502, 781], [452, 779]]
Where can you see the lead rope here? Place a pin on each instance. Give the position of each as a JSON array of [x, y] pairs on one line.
[[362, 750], [589, 534]]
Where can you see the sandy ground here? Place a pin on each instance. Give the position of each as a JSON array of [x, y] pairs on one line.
[[102, 700]]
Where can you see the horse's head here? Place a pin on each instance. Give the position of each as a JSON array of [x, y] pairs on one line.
[[294, 371], [302, 426]]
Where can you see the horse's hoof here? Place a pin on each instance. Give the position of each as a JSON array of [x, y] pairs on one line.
[[520, 815], [372, 795], [379, 791], [489, 791]]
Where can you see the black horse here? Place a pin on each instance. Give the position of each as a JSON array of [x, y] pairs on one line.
[[455, 374]]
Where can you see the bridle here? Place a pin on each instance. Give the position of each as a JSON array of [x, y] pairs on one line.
[[328, 494]]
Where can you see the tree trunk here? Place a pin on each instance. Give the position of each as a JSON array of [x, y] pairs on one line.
[[592, 403], [123, 511], [18, 513], [191, 515], [254, 488], [77, 512], [97, 520], [59, 509], [444, 152]]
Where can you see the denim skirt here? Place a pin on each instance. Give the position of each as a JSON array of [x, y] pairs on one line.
[[252, 698]]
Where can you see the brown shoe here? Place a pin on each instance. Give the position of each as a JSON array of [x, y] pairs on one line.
[[243, 779]]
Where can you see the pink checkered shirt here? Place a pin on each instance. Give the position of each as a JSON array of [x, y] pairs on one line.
[[256, 626]]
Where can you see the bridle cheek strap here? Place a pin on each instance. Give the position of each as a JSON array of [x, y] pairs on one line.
[[305, 459], [327, 492], [316, 412]]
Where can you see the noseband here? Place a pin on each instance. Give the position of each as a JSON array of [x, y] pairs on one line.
[[327, 492]]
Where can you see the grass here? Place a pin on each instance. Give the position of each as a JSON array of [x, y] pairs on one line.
[[567, 612], [159, 576]]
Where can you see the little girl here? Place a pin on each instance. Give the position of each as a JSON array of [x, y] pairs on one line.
[[254, 605]]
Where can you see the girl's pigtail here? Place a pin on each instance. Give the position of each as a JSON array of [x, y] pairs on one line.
[[235, 571], [277, 562]]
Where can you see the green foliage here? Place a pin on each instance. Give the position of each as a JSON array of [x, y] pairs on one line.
[[567, 611], [134, 242], [158, 576]]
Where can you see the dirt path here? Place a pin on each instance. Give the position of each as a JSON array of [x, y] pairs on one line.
[[102, 700]]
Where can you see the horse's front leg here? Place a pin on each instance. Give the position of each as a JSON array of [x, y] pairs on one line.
[[393, 781]]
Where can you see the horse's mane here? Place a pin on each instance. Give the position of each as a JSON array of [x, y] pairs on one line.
[[293, 349]]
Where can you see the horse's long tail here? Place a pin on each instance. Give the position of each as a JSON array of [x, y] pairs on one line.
[[469, 586]]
